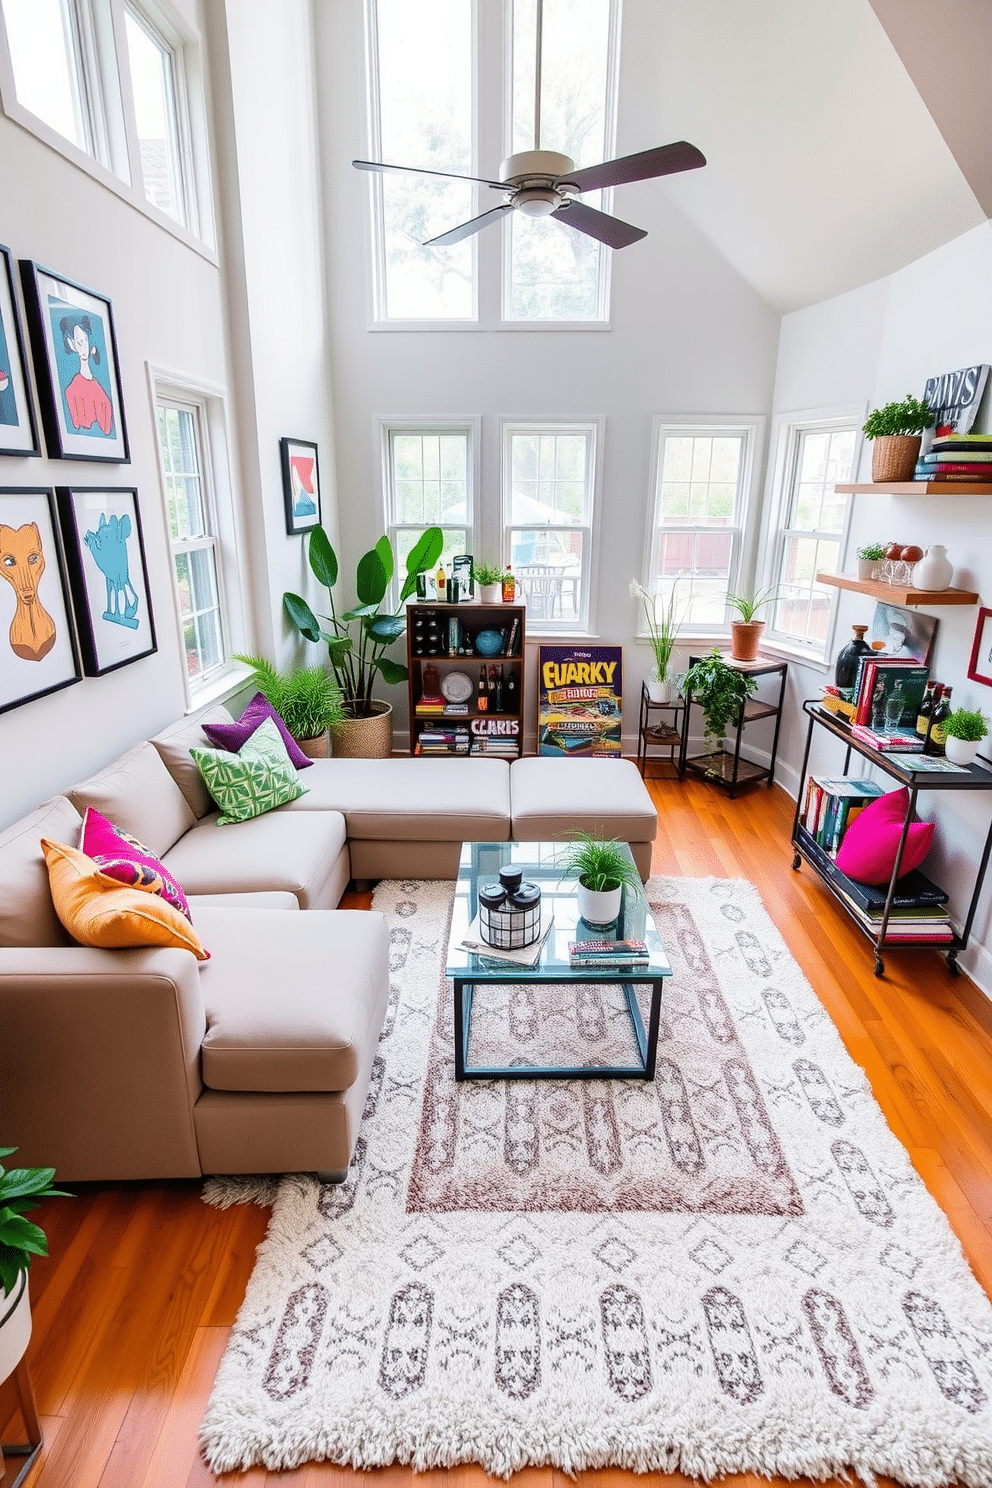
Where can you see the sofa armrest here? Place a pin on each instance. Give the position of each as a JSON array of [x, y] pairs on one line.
[[100, 1060]]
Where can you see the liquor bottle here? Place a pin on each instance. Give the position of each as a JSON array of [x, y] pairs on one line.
[[482, 700], [509, 586], [499, 688], [937, 737], [440, 584], [846, 669], [893, 709], [492, 690], [510, 699], [926, 708]]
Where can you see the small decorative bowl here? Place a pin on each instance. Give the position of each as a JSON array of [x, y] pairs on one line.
[[489, 642]]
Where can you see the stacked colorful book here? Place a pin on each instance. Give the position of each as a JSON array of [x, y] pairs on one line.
[[430, 703], [496, 746], [443, 741], [608, 953], [957, 457], [888, 691], [919, 906], [831, 804]]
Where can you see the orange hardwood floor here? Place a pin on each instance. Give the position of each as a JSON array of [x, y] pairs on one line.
[[134, 1305]]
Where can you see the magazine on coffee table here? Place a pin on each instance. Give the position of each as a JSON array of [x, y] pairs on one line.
[[525, 956]]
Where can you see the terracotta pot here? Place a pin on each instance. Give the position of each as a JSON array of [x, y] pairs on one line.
[[319, 747], [365, 738], [15, 1325], [894, 456], [744, 638]]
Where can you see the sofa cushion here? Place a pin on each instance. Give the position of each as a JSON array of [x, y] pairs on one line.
[[292, 1012], [128, 861], [550, 797], [257, 779], [174, 745], [137, 793], [232, 735], [413, 800], [277, 851], [27, 914], [869, 847], [98, 911]]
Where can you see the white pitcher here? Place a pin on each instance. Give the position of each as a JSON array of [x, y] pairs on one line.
[[934, 571]]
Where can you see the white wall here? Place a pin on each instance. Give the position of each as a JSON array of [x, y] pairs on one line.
[[876, 344]]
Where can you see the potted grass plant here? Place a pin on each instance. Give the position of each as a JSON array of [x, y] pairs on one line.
[[663, 630], [20, 1240], [602, 868], [964, 730], [896, 430], [745, 633], [307, 699]]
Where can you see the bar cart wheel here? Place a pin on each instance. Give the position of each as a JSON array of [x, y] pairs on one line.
[[952, 963], [879, 966]]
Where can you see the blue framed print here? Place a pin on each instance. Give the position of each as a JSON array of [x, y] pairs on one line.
[[107, 575], [76, 366], [37, 643], [18, 431]]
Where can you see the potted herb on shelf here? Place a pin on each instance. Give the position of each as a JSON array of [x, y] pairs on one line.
[[602, 868], [745, 633], [897, 430], [489, 577], [721, 691], [869, 557], [662, 632], [20, 1241], [964, 730], [307, 699]]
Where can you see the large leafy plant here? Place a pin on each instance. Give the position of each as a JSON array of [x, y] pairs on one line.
[[358, 638], [720, 690], [20, 1238]]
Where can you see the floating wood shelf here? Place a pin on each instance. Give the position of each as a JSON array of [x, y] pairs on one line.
[[919, 488], [898, 594]]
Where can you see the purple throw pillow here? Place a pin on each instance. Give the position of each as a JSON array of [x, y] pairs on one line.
[[232, 735]]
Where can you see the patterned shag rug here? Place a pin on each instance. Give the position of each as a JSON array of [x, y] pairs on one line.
[[733, 1269]]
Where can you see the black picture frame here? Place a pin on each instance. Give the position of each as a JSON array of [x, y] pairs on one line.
[[77, 370], [38, 651], [108, 575], [18, 430], [300, 484]]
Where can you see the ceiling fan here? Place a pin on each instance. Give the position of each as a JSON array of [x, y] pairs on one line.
[[544, 183]]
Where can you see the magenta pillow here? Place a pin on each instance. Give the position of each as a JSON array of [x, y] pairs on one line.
[[868, 848], [123, 858], [233, 735]]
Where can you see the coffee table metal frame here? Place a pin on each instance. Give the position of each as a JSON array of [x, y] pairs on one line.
[[480, 862]]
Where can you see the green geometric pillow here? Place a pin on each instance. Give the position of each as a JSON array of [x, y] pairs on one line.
[[255, 780]]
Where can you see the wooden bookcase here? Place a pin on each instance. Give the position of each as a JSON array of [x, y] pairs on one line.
[[445, 636]]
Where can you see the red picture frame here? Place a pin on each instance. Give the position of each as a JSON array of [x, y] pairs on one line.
[[981, 650]]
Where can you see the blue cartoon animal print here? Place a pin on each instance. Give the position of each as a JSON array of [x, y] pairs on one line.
[[108, 545]]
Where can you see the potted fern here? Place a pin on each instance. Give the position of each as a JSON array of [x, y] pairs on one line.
[[602, 868], [307, 699], [897, 431], [721, 690], [20, 1241]]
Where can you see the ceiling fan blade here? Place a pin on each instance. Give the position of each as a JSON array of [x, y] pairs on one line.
[[608, 230], [378, 165], [664, 160], [468, 228]]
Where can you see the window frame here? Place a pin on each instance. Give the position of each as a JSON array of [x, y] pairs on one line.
[[164, 36], [751, 428], [593, 429], [387, 428]]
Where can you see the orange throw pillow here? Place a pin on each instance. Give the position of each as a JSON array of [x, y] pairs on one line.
[[98, 911]]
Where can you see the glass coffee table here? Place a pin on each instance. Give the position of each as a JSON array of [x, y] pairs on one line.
[[480, 863]]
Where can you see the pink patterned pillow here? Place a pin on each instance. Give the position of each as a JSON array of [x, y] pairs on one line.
[[869, 846], [128, 861], [232, 735]]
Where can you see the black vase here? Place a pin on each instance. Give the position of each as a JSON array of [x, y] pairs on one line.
[[846, 669]]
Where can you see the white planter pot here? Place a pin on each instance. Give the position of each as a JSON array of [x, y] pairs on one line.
[[15, 1325], [960, 751], [867, 567], [599, 908], [491, 593], [935, 571], [660, 692]]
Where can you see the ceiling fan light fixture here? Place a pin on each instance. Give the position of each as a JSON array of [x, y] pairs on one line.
[[549, 164], [537, 201]]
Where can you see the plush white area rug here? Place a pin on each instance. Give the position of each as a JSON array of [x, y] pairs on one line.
[[733, 1269]]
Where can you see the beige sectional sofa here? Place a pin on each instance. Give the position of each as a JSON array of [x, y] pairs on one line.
[[145, 1063]]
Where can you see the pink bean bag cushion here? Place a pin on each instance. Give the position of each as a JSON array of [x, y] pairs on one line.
[[869, 846]]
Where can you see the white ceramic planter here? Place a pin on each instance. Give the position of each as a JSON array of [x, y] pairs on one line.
[[15, 1325], [935, 571], [960, 751], [598, 908], [660, 692], [491, 593]]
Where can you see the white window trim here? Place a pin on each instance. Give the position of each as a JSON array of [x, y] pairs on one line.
[[113, 118], [585, 623], [472, 428], [752, 427], [218, 494], [787, 429]]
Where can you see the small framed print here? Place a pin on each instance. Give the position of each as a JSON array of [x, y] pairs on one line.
[[37, 645], [18, 431], [107, 576], [76, 367], [300, 484], [980, 665]]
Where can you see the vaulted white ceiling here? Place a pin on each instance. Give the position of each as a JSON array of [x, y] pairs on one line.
[[826, 167]]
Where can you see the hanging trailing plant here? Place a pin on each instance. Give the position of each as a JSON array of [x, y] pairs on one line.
[[721, 691]]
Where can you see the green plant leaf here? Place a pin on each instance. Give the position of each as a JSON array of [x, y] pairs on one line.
[[392, 671], [20, 1182], [422, 556], [385, 552], [21, 1234], [338, 648], [302, 616], [386, 628], [323, 559], [360, 611], [371, 578]]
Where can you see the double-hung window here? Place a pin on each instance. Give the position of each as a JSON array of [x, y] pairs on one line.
[[549, 488], [702, 475], [429, 479], [814, 456]]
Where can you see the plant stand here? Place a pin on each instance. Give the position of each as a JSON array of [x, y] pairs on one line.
[[664, 734], [29, 1410], [725, 767]]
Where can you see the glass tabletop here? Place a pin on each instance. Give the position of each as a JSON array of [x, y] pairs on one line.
[[481, 863]]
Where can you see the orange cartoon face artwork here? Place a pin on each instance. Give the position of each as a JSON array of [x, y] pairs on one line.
[[22, 563]]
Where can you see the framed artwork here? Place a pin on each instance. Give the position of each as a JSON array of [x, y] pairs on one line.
[[899, 632], [37, 645], [76, 367], [107, 576], [579, 699], [300, 484], [980, 665], [18, 431]]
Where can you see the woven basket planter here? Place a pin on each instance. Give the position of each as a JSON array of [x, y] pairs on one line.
[[365, 738], [894, 456], [317, 747]]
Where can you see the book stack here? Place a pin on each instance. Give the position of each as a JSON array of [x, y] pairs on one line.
[[608, 953], [919, 906], [888, 691], [957, 457], [497, 746], [453, 740], [431, 702], [831, 804]]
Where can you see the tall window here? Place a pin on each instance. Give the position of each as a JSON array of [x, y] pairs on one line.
[[156, 114], [555, 272], [701, 483], [816, 457], [193, 532], [422, 115], [46, 58], [549, 474], [430, 476]]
